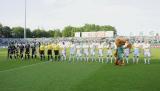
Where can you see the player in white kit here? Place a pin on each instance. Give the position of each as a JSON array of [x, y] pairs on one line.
[[126, 54], [100, 52], [92, 51], [72, 52], [136, 52], [147, 52], [86, 51], [63, 46], [109, 52], [78, 52]]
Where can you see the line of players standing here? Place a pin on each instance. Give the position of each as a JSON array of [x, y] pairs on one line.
[[29, 50], [21, 50], [77, 51]]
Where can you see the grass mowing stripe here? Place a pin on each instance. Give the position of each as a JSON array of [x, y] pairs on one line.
[[9, 64], [22, 67]]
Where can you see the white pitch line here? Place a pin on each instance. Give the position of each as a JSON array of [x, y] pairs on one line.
[[21, 67]]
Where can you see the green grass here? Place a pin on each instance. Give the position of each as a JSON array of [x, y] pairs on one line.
[[55, 76]]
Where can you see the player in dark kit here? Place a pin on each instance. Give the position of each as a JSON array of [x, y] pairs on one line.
[[21, 48], [27, 52], [16, 51], [33, 47], [49, 47], [11, 48]]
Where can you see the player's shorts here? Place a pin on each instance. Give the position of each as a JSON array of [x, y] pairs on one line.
[[11, 52], [92, 52], [49, 52], [63, 52], [27, 52], [79, 54], [147, 54], [33, 52], [21, 51], [41, 51], [100, 53], [126, 54], [136, 52], [56, 52], [109, 53], [16, 51], [86, 52], [72, 52]]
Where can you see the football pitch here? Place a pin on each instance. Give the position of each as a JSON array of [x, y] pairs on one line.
[[35, 75]]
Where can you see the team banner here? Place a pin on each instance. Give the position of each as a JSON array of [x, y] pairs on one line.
[[97, 34]]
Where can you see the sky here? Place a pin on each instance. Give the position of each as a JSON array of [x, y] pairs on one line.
[[129, 17]]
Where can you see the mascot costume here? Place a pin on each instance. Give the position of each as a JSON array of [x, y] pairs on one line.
[[121, 43]]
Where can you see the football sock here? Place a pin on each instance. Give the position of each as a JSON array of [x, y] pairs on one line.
[[145, 60]]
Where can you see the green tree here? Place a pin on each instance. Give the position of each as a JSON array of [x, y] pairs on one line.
[[57, 33], [68, 31], [6, 31], [89, 27], [28, 33], [44, 33], [51, 33], [17, 32], [36, 33], [1, 26]]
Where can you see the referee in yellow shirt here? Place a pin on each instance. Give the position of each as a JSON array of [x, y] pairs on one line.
[[41, 51], [49, 47], [56, 52]]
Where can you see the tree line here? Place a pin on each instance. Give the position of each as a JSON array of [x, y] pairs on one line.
[[68, 31]]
